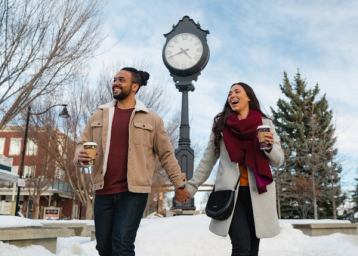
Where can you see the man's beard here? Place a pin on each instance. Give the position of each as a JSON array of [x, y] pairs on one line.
[[122, 95]]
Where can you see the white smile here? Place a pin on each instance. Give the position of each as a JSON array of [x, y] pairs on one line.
[[116, 90], [234, 101]]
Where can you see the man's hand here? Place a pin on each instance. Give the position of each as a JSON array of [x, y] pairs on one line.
[[81, 157], [182, 195]]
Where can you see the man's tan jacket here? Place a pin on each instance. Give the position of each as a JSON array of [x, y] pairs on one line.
[[147, 139]]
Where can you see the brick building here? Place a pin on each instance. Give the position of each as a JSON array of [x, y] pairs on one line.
[[38, 167]]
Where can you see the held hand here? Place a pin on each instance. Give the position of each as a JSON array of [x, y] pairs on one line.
[[182, 195]]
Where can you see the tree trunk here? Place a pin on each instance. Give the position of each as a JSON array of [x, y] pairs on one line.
[[334, 208], [89, 210], [36, 207], [314, 199]]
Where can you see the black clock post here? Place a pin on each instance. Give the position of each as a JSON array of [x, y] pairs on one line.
[[185, 54]]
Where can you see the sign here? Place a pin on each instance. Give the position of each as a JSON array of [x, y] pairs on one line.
[[6, 208], [21, 183], [52, 213]]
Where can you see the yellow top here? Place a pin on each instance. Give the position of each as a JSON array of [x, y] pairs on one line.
[[244, 179]]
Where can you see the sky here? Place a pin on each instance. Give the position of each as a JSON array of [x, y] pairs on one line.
[[250, 41]]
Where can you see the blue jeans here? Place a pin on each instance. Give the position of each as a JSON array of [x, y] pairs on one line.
[[117, 219]]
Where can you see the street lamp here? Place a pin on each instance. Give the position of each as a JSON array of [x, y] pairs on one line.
[[63, 114]]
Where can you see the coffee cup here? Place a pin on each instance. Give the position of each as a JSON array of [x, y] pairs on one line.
[[262, 130], [91, 150]]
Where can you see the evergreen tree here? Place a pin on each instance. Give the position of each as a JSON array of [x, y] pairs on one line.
[[308, 184], [355, 196]]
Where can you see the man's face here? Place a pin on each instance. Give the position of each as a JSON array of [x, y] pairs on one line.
[[122, 85]]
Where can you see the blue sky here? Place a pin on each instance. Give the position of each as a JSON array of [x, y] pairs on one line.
[[249, 41]]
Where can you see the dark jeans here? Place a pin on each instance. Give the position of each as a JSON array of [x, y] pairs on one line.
[[242, 230], [117, 219]]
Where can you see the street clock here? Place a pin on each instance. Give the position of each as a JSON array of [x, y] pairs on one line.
[[186, 52]]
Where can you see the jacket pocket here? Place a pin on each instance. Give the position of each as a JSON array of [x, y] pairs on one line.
[[144, 126], [96, 128], [142, 133]]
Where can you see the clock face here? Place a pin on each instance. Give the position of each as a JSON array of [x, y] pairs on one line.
[[183, 51]]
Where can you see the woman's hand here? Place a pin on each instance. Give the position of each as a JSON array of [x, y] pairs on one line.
[[268, 140], [182, 195]]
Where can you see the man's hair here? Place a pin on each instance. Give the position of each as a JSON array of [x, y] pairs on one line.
[[138, 76]]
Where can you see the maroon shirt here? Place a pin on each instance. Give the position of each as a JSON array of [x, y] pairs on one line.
[[115, 179]]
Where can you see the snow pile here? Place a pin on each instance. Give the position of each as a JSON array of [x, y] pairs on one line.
[[189, 236], [14, 221], [292, 242], [34, 250], [74, 221]]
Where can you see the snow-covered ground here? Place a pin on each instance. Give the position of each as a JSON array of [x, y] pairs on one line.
[[12, 221], [189, 236]]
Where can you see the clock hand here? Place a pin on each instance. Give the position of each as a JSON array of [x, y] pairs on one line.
[[171, 56], [185, 52], [180, 52]]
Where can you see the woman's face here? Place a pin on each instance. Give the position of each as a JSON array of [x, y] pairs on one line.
[[238, 99]]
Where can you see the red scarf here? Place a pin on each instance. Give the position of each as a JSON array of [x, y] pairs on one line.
[[240, 138]]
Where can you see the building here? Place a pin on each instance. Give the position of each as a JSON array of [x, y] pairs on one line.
[[44, 181], [6, 175]]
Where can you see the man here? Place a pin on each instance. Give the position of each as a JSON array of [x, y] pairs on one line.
[[129, 137]]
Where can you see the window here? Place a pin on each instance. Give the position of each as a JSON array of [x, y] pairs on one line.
[[15, 146], [59, 174], [31, 148], [2, 146], [15, 169], [29, 171]]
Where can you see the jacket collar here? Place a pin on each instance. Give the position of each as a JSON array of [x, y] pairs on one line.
[[139, 106]]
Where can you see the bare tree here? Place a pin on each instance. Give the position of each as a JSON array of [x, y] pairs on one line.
[[42, 44], [61, 152], [79, 178], [44, 134]]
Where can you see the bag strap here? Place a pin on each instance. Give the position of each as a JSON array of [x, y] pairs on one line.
[[237, 183]]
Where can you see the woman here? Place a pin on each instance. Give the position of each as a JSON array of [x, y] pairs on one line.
[[234, 140]]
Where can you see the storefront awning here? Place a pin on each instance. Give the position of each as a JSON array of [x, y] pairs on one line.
[[5, 167], [6, 174]]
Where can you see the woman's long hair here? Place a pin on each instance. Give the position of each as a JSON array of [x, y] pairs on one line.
[[220, 119]]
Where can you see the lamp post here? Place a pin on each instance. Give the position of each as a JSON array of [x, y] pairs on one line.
[[63, 114]]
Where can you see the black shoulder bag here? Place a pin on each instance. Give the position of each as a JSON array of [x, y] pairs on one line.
[[221, 203]]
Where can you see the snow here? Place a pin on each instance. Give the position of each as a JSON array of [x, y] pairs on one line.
[[34, 250], [14, 221], [189, 236], [311, 221], [87, 222]]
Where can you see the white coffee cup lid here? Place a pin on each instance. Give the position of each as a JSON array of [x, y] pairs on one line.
[[263, 126], [90, 143]]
